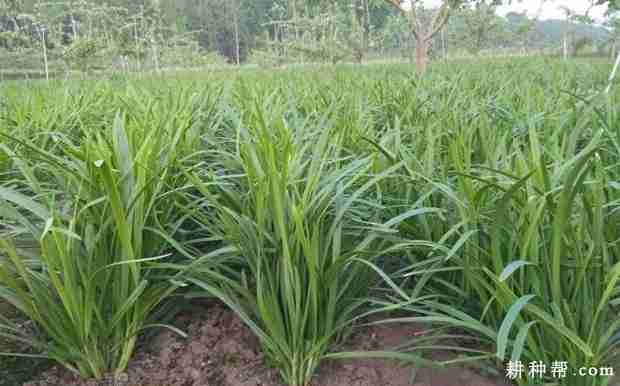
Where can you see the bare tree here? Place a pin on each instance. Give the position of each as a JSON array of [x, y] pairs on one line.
[[423, 34]]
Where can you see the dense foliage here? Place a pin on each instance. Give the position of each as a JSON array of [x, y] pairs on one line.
[[482, 201]]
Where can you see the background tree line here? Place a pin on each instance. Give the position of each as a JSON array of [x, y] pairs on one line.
[[157, 33]]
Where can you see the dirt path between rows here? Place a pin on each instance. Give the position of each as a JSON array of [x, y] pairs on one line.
[[221, 351]]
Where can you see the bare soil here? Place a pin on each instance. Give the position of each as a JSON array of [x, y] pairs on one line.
[[221, 351], [16, 370]]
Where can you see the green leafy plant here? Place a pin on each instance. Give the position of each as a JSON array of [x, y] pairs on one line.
[[296, 214], [84, 256], [533, 265]]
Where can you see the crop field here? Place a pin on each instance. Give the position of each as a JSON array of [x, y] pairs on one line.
[[478, 205]]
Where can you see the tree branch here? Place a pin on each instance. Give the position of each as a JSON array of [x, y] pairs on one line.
[[592, 5], [396, 4], [440, 19], [412, 17], [415, 21]]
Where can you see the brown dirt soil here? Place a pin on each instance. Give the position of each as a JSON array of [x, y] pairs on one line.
[[221, 351]]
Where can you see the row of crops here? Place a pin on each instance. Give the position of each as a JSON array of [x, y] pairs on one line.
[[481, 200]]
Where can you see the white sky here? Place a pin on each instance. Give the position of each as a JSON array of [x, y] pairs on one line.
[[550, 8]]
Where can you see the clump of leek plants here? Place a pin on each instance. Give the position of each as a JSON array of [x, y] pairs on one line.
[[296, 212], [83, 244]]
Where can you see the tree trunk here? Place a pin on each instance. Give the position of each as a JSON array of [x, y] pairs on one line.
[[295, 28], [421, 54], [237, 48], [565, 48], [444, 48], [155, 54], [44, 44], [235, 14], [135, 28], [74, 28], [367, 27]]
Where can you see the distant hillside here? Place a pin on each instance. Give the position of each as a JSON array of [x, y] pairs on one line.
[[553, 30], [550, 32]]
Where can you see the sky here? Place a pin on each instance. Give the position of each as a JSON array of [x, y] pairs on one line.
[[549, 10]]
